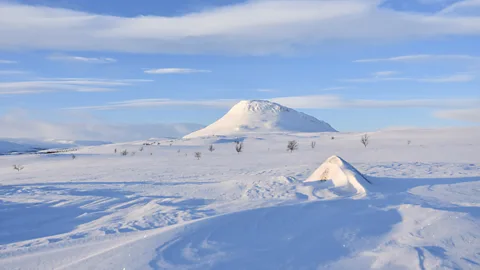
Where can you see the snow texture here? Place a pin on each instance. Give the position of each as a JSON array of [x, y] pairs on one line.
[[341, 174], [262, 116], [161, 208]]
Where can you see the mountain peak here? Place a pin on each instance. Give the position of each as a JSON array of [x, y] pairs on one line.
[[262, 116], [258, 106]]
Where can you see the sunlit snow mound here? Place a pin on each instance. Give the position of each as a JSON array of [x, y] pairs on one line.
[[262, 116], [340, 173]]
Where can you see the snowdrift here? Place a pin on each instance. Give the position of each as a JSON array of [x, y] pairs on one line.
[[341, 174], [262, 116]]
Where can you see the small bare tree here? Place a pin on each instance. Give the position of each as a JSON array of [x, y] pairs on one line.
[[365, 140], [73, 156], [141, 149], [333, 138], [18, 167], [211, 148], [124, 152], [313, 144], [198, 155], [239, 147], [292, 146], [115, 150]]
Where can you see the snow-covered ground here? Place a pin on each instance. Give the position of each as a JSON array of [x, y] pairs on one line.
[[162, 208]]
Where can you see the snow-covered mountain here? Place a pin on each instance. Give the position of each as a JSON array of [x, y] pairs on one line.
[[262, 116]]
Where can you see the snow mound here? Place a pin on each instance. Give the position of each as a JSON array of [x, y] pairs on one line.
[[341, 174], [262, 116]]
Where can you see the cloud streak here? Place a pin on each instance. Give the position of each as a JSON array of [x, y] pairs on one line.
[[272, 27], [175, 71], [20, 124], [422, 57], [12, 72], [63, 84], [81, 59], [299, 102], [455, 78], [2, 61]]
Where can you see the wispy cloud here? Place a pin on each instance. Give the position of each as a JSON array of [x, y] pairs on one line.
[[7, 61], [155, 102], [300, 102], [19, 124], [81, 59], [455, 78], [466, 115], [63, 84], [331, 101], [277, 27], [461, 7], [384, 73], [335, 88], [420, 57], [175, 71], [266, 90], [13, 72]]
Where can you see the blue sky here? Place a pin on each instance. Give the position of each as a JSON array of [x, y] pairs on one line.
[[360, 65]]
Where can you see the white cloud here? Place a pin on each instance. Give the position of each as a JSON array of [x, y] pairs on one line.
[[175, 71], [455, 78], [158, 102], [421, 57], [384, 73], [266, 90], [7, 62], [19, 124], [63, 84], [252, 27], [335, 88], [466, 115], [462, 7], [12, 72], [331, 101], [301, 102], [81, 59]]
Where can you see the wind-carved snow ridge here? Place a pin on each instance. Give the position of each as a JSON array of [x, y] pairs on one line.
[[341, 174], [262, 116]]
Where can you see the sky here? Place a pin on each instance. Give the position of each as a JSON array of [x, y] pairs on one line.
[[360, 65]]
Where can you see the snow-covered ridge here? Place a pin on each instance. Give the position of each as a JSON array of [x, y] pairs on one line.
[[262, 116]]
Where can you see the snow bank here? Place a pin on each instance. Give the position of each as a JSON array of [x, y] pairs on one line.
[[262, 116], [341, 174]]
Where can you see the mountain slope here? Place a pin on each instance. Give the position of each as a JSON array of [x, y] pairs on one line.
[[262, 116]]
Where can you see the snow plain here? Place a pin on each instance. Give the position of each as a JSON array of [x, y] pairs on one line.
[[164, 209]]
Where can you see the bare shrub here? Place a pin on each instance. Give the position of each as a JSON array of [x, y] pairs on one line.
[[18, 167], [211, 148], [73, 156], [365, 140], [292, 146], [239, 147], [313, 144], [409, 142], [333, 138], [141, 149], [198, 155], [124, 152], [115, 150]]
